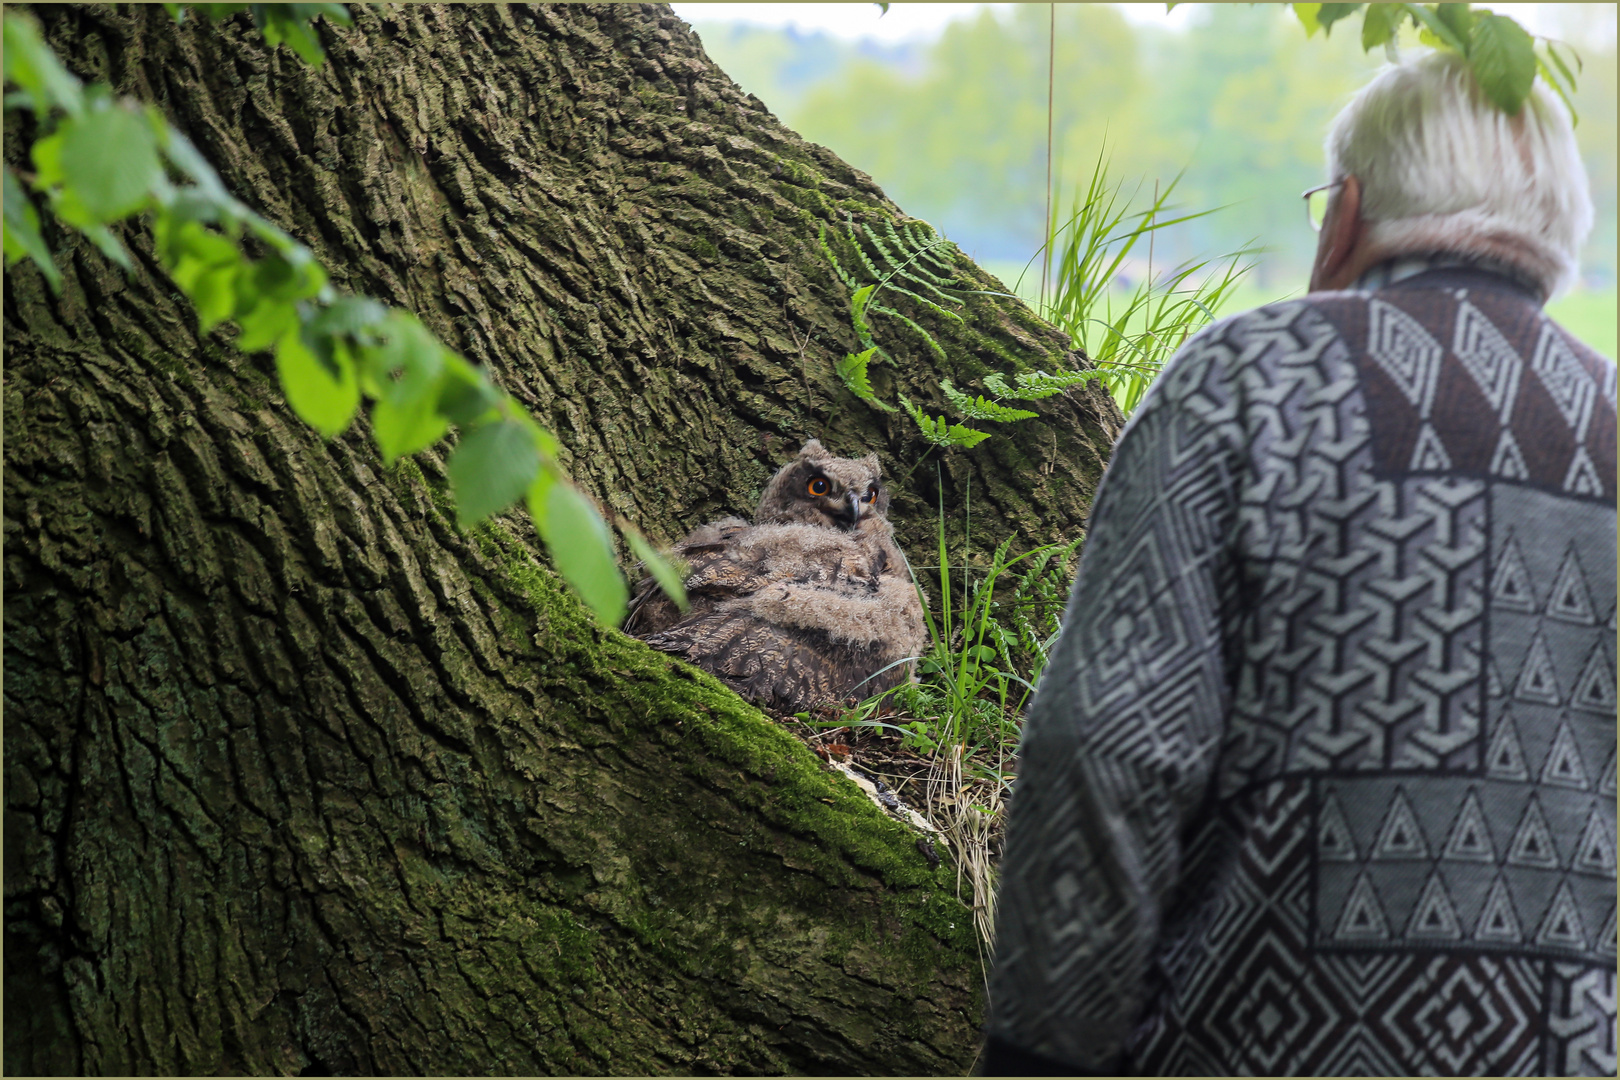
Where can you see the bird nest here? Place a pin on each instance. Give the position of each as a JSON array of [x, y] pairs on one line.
[[950, 808]]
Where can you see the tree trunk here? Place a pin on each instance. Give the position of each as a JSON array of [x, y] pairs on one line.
[[302, 778]]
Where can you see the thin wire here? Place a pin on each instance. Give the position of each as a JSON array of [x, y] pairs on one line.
[[1051, 54]]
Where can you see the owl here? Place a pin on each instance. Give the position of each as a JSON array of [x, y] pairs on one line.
[[811, 604]]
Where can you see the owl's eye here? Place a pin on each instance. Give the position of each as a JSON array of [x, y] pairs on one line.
[[871, 493], [819, 486]]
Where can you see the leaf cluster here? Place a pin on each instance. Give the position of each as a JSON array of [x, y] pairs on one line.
[[289, 24], [98, 161], [1500, 52]]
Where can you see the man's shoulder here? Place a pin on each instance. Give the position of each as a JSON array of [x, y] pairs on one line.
[[1279, 313], [1281, 328]]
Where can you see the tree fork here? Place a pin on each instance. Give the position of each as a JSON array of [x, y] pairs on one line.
[[302, 778]]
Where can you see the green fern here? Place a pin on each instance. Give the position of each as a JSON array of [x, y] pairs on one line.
[[913, 260], [902, 261], [1033, 386], [941, 432], [980, 408], [857, 315], [827, 250], [852, 369]]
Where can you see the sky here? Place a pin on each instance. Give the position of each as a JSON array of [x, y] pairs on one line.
[[912, 22]]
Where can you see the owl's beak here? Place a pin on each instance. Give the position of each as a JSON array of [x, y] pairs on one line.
[[854, 501]]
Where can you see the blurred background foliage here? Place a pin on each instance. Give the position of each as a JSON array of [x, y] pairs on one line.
[[1236, 99]]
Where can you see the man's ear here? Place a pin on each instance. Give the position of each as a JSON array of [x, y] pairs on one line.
[[1341, 237]]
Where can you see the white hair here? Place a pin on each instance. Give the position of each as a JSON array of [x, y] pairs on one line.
[[1445, 172]]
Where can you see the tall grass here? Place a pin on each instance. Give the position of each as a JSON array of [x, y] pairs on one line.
[[988, 642], [1129, 338], [990, 635]]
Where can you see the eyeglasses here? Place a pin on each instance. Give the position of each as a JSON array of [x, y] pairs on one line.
[[1316, 203]]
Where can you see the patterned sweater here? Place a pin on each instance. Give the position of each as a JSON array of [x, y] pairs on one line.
[[1320, 779]]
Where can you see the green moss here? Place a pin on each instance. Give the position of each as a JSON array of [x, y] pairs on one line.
[[797, 172], [807, 199]]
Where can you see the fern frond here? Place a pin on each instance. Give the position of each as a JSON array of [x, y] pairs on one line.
[[924, 334], [923, 300], [855, 240], [909, 268], [1033, 386], [852, 369], [941, 432], [978, 408], [877, 243], [996, 383], [857, 314], [948, 271], [827, 251]]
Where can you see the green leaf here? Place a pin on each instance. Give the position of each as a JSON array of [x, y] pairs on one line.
[[580, 545], [1378, 25], [338, 13], [108, 245], [281, 278], [213, 294], [194, 251], [1439, 35], [407, 364], [465, 394], [1035, 385], [940, 432], [109, 162], [185, 157], [1457, 18], [545, 440], [1569, 76], [176, 12], [22, 237], [47, 157], [661, 569], [491, 468], [1328, 14], [325, 402], [281, 24], [31, 65], [265, 323], [1306, 13], [857, 313], [354, 317], [852, 370], [980, 408], [1503, 57], [405, 429], [1552, 80], [1566, 87]]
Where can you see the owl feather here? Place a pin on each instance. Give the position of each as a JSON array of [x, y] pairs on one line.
[[812, 604]]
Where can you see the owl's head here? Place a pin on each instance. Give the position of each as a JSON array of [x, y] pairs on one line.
[[816, 488]]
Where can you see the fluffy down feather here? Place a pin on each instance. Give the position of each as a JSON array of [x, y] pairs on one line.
[[811, 606]]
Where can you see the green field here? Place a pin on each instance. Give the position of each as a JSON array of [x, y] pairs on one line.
[[1589, 314]]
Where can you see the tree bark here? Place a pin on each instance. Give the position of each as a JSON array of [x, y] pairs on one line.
[[299, 776]]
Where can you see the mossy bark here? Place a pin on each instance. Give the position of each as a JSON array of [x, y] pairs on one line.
[[302, 778]]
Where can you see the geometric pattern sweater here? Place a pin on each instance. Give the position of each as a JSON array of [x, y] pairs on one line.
[[1320, 778]]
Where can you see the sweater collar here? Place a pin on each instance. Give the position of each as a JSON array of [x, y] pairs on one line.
[[1441, 270]]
